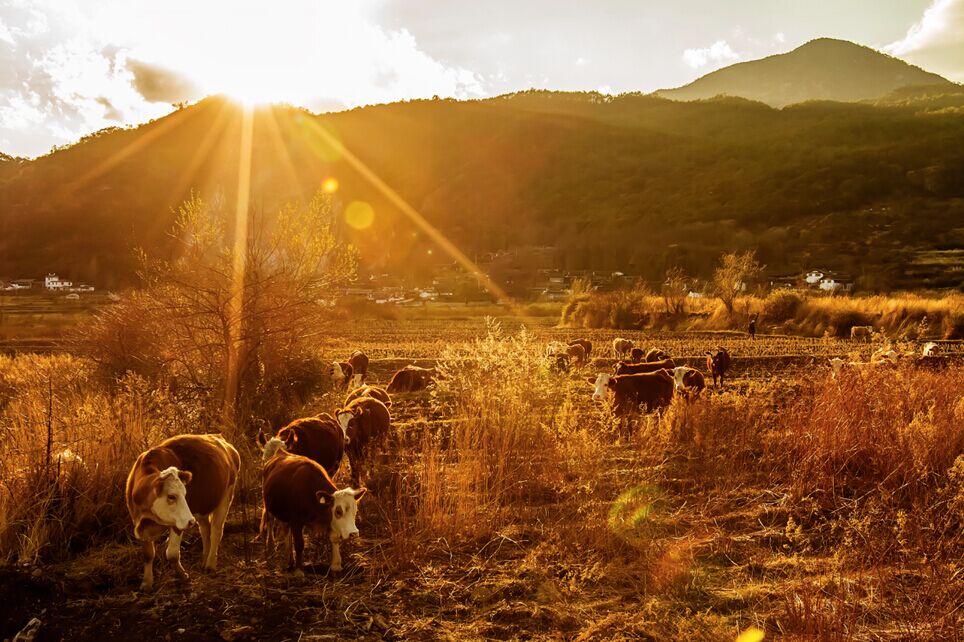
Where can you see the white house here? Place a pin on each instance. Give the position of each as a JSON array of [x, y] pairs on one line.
[[54, 282], [813, 277]]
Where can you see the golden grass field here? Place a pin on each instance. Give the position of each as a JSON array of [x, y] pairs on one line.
[[785, 506]]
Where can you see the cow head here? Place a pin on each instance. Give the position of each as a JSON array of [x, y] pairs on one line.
[[929, 349], [602, 383], [344, 506], [679, 372], [336, 371], [345, 418], [272, 447], [835, 365], [169, 505]]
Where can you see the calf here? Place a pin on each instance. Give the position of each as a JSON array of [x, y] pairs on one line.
[[359, 365], [410, 379], [621, 346], [864, 332], [366, 424], [300, 494], [320, 439], [370, 391], [717, 363], [655, 354], [585, 343], [652, 389], [637, 355], [341, 373], [688, 380], [623, 368], [183, 480], [576, 354]]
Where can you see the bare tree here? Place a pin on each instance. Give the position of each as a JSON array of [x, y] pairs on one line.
[[735, 274], [675, 290]]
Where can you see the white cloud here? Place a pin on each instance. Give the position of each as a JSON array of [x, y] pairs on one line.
[[779, 37], [69, 68], [716, 54], [936, 42]]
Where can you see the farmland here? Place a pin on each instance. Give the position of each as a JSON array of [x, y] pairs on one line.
[[507, 507]]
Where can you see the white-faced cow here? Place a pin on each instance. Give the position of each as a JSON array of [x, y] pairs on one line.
[[688, 380], [341, 373], [621, 346], [300, 494], [717, 363], [318, 438], [366, 424], [629, 392], [182, 481]]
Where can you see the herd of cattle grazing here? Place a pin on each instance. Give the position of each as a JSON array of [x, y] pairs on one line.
[[190, 479]]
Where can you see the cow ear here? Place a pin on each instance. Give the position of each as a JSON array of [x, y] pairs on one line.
[[185, 476], [359, 493], [324, 497]]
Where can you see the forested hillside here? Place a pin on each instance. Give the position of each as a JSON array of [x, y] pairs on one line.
[[631, 183]]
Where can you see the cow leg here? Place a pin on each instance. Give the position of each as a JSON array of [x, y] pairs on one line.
[[335, 554], [173, 552], [354, 460], [298, 536], [147, 582], [218, 518], [356, 381]]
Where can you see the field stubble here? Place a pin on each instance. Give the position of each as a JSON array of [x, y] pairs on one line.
[[507, 507]]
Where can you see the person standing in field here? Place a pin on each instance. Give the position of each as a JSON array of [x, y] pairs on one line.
[[751, 329]]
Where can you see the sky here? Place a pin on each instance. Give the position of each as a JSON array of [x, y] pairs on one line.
[[71, 67]]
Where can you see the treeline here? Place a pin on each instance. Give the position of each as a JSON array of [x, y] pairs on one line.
[[631, 183]]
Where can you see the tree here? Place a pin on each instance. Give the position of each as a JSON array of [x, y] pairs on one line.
[[734, 275], [675, 290], [237, 334]]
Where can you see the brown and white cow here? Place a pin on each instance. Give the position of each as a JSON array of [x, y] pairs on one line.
[[585, 343], [342, 373], [655, 354], [623, 368], [629, 392], [717, 363], [183, 480], [318, 438], [410, 379], [359, 365], [688, 380], [299, 493], [370, 391], [621, 346], [864, 332], [366, 424]]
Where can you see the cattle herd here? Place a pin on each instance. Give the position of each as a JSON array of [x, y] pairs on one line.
[[190, 479]]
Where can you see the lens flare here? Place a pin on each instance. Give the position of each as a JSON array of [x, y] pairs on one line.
[[752, 634], [330, 185], [359, 215]]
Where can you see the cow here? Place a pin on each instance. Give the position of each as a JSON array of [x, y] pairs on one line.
[[576, 354], [341, 373], [410, 379], [621, 346], [299, 493], [717, 363], [359, 365], [655, 354], [864, 332], [885, 356], [652, 389], [929, 349], [688, 379], [623, 368], [637, 355], [369, 391], [183, 480], [585, 343], [366, 423], [554, 348], [319, 438]]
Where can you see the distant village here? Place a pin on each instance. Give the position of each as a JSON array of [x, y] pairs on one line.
[[50, 284]]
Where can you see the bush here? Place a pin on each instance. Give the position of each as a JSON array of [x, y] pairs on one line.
[[781, 306]]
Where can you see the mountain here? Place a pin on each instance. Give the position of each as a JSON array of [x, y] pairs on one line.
[[822, 69], [632, 183]]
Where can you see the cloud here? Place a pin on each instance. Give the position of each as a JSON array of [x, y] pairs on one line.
[[936, 42], [157, 84], [716, 54]]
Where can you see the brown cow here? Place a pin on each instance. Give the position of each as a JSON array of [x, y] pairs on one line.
[[319, 438], [369, 391], [652, 389], [655, 354], [623, 368], [637, 355], [182, 480], [300, 494], [717, 363], [865, 332], [359, 365], [576, 354], [688, 380], [366, 423], [341, 373], [585, 343], [410, 379]]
